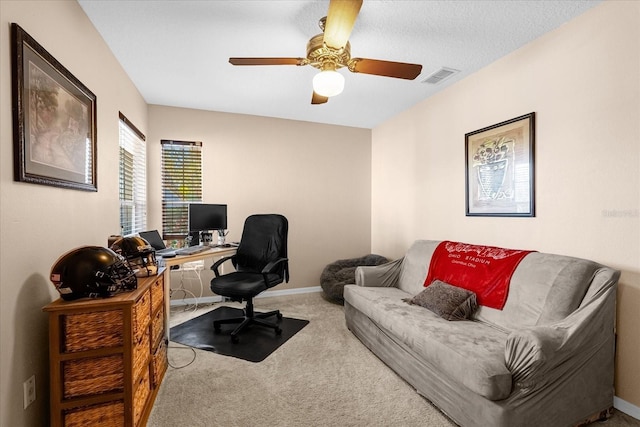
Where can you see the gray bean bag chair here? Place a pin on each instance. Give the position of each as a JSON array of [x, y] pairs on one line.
[[342, 272]]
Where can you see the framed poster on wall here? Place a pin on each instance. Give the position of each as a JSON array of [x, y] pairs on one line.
[[54, 119], [500, 169]]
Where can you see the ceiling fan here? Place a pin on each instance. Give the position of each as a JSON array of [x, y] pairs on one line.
[[331, 51]]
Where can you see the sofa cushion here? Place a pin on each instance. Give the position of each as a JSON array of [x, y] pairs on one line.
[[470, 353], [415, 266], [447, 301], [544, 289], [485, 270]]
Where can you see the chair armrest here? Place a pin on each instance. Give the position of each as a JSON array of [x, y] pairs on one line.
[[216, 265], [383, 275], [273, 265], [542, 355]]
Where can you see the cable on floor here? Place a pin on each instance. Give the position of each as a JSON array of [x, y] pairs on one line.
[[181, 348], [186, 347]]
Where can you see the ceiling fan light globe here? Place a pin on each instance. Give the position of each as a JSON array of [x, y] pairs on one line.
[[328, 83]]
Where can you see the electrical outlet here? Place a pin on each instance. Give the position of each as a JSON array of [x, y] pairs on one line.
[[29, 389]]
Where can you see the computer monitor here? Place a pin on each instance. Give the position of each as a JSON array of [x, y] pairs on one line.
[[204, 217]]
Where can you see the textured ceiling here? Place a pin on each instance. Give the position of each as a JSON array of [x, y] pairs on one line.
[[176, 52]]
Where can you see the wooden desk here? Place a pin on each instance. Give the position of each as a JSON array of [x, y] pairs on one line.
[[182, 259]]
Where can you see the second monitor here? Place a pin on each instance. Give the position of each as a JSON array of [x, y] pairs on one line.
[[206, 217]]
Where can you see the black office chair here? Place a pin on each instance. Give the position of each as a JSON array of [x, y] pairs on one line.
[[261, 263]]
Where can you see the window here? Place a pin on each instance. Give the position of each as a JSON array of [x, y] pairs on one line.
[[132, 179], [181, 185]]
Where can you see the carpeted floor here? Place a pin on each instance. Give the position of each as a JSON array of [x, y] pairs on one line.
[[322, 376]]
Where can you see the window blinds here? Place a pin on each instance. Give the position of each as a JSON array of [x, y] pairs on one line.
[[132, 179], [181, 185]]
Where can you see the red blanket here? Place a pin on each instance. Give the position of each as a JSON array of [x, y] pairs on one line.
[[485, 270]]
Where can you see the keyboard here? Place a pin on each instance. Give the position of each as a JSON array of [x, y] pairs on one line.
[[190, 250]]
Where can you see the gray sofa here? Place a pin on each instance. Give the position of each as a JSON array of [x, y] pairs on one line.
[[545, 359]]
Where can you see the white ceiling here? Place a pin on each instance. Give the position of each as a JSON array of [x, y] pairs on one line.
[[176, 52]]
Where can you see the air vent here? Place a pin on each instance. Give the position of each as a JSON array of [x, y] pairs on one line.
[[440, 75]]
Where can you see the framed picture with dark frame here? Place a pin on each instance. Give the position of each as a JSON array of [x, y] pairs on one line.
[[499, 169], [54, 119]]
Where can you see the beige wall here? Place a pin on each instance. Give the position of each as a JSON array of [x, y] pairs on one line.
[[318, 176], [38, 223], [583, 82]]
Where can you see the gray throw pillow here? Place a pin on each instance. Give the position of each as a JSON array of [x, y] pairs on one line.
[[447, 301]]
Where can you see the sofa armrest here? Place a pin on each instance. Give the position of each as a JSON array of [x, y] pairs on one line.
[[542, 355], [384, 275]]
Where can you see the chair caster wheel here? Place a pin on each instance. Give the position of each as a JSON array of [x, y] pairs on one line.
[[235, 339], [278, 331]]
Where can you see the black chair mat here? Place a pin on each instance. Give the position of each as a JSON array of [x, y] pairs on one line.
[[256, 342]]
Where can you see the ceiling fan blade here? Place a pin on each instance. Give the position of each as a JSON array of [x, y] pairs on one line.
[[340, 20], [266, 61], [318, 99], [400, 70]]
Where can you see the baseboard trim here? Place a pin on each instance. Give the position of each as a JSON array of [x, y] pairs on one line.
[[266, 294], [626, 407], [295, 291]]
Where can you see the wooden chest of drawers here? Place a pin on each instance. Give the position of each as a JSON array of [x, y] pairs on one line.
[[107, 356]]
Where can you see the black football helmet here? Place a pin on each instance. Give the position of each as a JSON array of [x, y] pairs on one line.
[[140, 255], [91, 271]]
